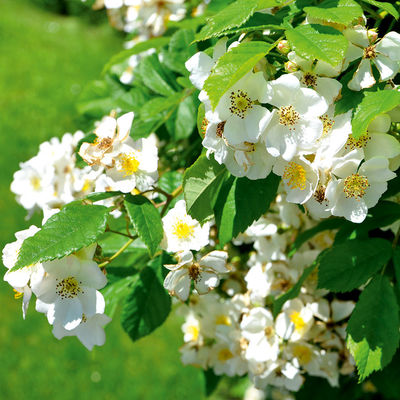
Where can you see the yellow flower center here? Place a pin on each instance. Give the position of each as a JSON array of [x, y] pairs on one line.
[[240, 103], [327, 124], [288, 116], [370, 52], [355, 186], [309, 79], [359, 143], [223, 320], [302, 353], [295, 175], [224, 355], [35, 182], [17, 295], [183, 230], [269, 331], [86, 185], [194, 272], [68, 288], [297, 320], [193, 330], [129, 164]]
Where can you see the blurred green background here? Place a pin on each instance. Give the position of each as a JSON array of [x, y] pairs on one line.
[[46, 60]]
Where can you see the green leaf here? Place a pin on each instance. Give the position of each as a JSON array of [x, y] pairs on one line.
[[372, 105], [387, 381], [183, 121], [201, 114], [348, 265], [396, 265], [319, 42], [74, 227], [344, 12], [232, 66], [242, 201], [211, 381], [146, 220], [303, 237], [97, 196], [180, 49], [154, 43], [115, 293], [155, 76], [373, 328], [384, 6], [169, 181], [235, 14], [293, 292], [148, 305], [201, 184]]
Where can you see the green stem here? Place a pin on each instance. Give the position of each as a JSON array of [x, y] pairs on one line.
[[120, 251]]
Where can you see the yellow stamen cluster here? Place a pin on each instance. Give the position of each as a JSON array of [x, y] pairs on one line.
[[182, 230], [359, 143], [370, 52], [35, 182], [297, 320], [309, 79], [68, 288], [17, 295], [295, 175], [327, 124], [269, 331], [288, 116], [203, 127], [223, 320], [355, 186], [224, 355], [302, 353], [129, 164], [240, 103], [193, 330]]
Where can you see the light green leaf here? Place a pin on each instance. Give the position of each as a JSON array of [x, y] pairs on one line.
[[74, 227], [344, 12], [233, 15], [146, 220], [232, 66], [348, 265], [319, 42], [148, 305], [372, 105], [169, 181], [373, 329], [183, 121], [388, 7], [201, 184], [97, 196], [155, 76], [242, 201]]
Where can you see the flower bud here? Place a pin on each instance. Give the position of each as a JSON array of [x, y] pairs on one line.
[[372, 35], [283, 47], [291, 66]]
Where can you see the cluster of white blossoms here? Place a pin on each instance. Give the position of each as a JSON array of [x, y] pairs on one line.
[[144, 17], [51, 179], [66, 290], [234, 332], [298, 135]]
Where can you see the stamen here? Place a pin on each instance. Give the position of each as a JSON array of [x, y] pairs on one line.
[[35, 182], [68, 288], [194, 272], [288, 116], [302, 353], [224, 355], [220, 129], [203, 127], [327, 124], [319, 194], [182, 230], [359, 143], [129, 164], [296, 176], [309, 79], [370, 52], [297, 320], [355, 186], [240, 103]]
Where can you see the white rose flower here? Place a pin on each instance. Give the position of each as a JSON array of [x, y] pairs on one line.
[[204, 273]]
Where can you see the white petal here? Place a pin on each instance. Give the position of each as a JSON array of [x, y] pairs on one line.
[[363, 77], [341, 309], [386, 67], [199, 67], [215, 260], [390, 46], [382, 144], [68, 312], [124, 123], [206, 282]]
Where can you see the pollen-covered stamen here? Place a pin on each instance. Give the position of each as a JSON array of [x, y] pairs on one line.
[[309, 79], [220, 129], [194, 272], [183, 230], [370, 52], [297, 320], [359, 143], [224, 355], [302, 353], [295, 175], [288, 116], [36, 183], [203, 127], [327, 124], [68, 288], [240, 103], [319, 194], [104, 143], [355, 186], [129, 164], [269, 331], [84, 319]]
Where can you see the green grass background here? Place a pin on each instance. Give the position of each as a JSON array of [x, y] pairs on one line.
[[46, 60]]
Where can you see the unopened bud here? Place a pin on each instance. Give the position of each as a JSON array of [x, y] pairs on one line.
[[291, 66], [283, 47], [372, 35]]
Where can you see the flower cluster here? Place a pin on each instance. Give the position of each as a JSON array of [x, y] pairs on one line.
[[299, 135], [234, 332], [66, 291]]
